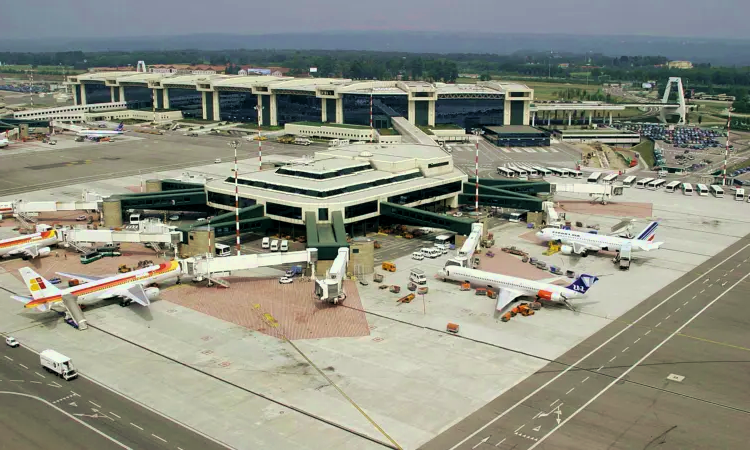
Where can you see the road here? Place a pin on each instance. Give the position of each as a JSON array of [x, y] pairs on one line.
[[91, 161], [671, 373], [43, 411]]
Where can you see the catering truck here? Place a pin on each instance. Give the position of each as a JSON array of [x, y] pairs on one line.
[[58, 364]]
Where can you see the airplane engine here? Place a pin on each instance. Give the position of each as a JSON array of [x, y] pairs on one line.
[[152, 293], [566, 250], [44, 251], [551, 296]]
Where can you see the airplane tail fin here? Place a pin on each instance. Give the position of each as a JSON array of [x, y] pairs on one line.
[[36, 284], [648, 233], [583, 283], [120, 127]]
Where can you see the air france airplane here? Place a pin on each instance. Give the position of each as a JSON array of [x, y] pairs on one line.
[[581, 243], [510, 288], [96, 134]]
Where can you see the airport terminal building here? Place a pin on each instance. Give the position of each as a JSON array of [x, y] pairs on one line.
[[276, 100]]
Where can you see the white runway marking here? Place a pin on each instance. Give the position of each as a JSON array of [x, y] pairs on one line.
[[131, 423]]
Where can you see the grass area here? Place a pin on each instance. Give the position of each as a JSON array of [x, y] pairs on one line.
[[425, 128], [646, 151], [198, 121], [739, 165], [387, 132], [447, 126], [336, 125]]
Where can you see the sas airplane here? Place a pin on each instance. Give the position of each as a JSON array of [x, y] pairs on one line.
[[581, 243], [510, 288], [29, 246], [128, 286], [98, 134]]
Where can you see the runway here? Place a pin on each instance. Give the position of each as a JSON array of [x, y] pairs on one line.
[[41, 410], [672, 373]]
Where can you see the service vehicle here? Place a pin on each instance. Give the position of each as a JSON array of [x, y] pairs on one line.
[[417, 276], [10, 341], [58, 364], [285, 280], [266, 243]]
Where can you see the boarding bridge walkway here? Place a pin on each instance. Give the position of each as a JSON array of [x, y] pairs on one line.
[[152, 236], [411, 134], [202, 267], [74, 309], [408, 215], [193, 199], [326, 237]]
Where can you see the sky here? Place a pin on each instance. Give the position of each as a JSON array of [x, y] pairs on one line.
[[129, 18]]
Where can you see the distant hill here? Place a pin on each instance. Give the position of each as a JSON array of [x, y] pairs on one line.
[[715, 51]]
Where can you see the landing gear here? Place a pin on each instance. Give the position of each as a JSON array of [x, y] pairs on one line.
[[584, 253], [124, 303], [178, 281]]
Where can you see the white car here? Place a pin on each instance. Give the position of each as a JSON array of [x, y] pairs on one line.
[[217, 160], [175, 217], [10, 341], [285, 280]]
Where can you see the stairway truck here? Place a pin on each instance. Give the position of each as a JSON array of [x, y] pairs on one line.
[[58, 364]]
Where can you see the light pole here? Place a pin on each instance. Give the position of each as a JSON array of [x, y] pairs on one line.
[[260, 108], [477, 133], [726, 148], [235, 144]]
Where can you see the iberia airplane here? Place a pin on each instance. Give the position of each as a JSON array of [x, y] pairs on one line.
[[129, 286], [31, 245]]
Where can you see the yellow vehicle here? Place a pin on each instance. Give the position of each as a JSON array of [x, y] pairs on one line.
[[389, 266]]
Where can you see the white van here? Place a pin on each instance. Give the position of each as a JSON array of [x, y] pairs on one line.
[[417, 255], [433, 252], [284, 245], [442, 247], [427, 252], [275, 245], [417, 276], [266, 243]]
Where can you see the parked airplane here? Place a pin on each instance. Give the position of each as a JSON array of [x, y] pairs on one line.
[[4, 142], [88, 133], [128, 286], [29, 246], [581, 243], [511, 288]]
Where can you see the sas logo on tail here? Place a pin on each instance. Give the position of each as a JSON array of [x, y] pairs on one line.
[[36, 284]]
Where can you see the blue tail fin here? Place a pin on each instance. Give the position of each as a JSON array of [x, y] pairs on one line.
[[648, 233], [583, 283], [120, 127]]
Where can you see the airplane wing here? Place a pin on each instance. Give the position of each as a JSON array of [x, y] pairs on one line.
[[135, 293], [505, 296], [32, 250], [578, 247], [85, 278]]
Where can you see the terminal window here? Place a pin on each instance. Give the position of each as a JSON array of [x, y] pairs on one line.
[[322, 213]]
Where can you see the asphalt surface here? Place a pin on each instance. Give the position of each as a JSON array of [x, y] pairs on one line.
[[93, 161], [671, 373], [78, 414]]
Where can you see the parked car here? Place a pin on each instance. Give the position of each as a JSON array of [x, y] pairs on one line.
[[55, 280], [81, 218], [10, 341], [175, 217], [217, 160], [285, 280]]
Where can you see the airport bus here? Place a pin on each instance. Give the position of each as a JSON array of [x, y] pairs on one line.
[[504, 171], [702, 190], [628, 181], [542, 171], [532, 171], [656, 184], [717, 191], [739, 194], [594, 177], [609, 179], [687, 188], [222, 250], [555, 171], [643, 182], [576, 174], [135, 219], [564, 172], [672, 186], [521, 172]]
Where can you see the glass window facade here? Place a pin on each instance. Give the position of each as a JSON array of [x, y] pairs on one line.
[[322, 213], [468, 112], [440, 164], [228, 200], [357, 107], [328, 193], [361, 209], [423, 194], [290, 212], [323, 175], [297, 108]]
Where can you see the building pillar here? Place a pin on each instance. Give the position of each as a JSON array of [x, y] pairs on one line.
[[526, 112], [339, 110], [217, 105], [533, 119], [570, 118], [166, 98], [610, 118], [591, 118], [112, 94], [431, 112], [75, 93], [549, 118], [323, 110], [273, 112], [122, 93], [83, 94], [155, 98], [412, 112], [260, 110], [204, 106]]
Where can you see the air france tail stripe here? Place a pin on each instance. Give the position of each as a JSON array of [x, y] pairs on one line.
[[648, 231]]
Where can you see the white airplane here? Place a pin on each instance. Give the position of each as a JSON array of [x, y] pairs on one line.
[[128, 286], [29, 246], [4, 142], [97, 134], [581, 243], [511, 288]]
